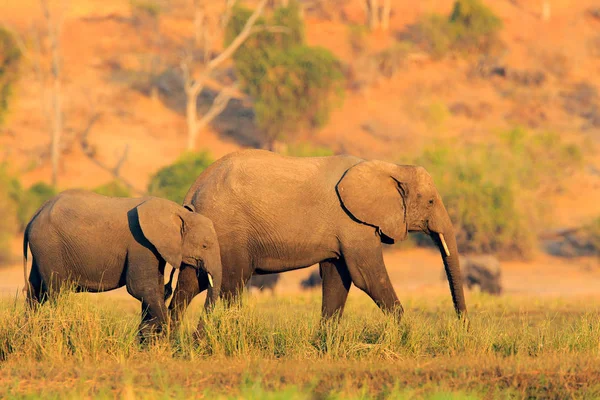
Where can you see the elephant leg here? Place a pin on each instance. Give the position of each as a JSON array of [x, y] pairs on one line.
[[37, 293], [188, 287], [369, 274], [145, 282], [237, 271], [336, 285]]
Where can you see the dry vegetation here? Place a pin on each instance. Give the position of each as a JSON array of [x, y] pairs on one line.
[[85, 345]]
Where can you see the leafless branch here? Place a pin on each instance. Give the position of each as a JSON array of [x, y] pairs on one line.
[[121, 161], [193, 86], [218, 105], [238, 41], [90, 153], [227, 14], [53, 31]]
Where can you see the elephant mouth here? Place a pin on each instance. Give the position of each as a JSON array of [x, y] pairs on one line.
[[191, 262], [198, 265]]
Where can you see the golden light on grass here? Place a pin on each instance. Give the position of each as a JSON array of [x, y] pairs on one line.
[[84, 346]]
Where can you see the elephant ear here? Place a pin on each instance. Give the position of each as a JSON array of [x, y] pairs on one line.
[[372, 195], [162, 226]]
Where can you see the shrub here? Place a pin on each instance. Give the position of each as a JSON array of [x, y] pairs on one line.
[[31, 200], [9, 60], [471, 26], [433, 34], [583, 100], [390, 60], [9, 194], [435, 114], [307, 150], [293, 85], [357, 36], [493, 191], [113, 189], [145, 8], [173, 181]]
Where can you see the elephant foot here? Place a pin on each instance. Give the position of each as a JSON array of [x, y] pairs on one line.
[[199, 334]]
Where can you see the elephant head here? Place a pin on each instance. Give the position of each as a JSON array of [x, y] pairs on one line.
[[397, 199], [183, 238]]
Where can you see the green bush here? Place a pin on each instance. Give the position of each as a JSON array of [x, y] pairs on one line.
[[9, 61], [471, 27], [294, 86], [173, 181], [31, 199], [113, 189], [493, 192], [433, 34]]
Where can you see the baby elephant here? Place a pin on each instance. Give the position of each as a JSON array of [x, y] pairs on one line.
[[98, 243]]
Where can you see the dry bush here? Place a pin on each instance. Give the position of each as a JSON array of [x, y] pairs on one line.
[[470, 28], [583, 100]]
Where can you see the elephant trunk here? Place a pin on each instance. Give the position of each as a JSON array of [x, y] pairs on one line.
[[443, 236], [215, 278]]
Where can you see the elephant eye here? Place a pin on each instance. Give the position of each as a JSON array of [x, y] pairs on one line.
[[204, 246], [431, 201]]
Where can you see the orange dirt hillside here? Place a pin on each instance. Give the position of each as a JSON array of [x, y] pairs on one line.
[[104, 54]]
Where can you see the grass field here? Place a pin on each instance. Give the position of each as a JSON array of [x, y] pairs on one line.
[[272, 347]]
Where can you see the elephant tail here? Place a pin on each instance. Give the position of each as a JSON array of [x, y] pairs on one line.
[[25, 245]]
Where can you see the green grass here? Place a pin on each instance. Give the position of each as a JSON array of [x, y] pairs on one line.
[[273, 348]]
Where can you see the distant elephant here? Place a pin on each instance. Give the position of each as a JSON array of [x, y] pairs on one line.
[[264, 282], [275, 213], [314, 280], [483, 271], [99, 243]]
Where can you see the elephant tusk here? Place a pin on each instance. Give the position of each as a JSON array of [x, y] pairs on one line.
[[444, 244], [210, 281]]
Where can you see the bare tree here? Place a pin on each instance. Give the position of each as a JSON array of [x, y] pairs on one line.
[[53, 25], [90, 152], [385, 14], [372, 9], [193, 85], [545, 10]]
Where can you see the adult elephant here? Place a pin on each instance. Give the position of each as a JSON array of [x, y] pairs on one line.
[[274, 213]]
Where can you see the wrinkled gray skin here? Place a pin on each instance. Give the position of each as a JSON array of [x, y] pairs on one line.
[[274, 213], [100, 243]]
